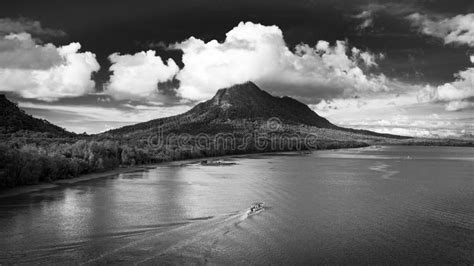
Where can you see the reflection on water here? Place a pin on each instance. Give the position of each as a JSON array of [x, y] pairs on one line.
[[369, 205]]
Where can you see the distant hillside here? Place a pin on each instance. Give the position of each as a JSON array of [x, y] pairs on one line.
[[14, 119]]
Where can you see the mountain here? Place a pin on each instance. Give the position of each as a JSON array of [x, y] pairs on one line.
[[242, 105], [14, 119], [247, 101]]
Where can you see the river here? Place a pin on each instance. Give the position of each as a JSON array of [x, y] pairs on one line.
[[374, 205]]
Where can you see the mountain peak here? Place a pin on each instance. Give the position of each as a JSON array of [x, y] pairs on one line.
[[236, 94], [247, 87], [248, 101], [4, 102]]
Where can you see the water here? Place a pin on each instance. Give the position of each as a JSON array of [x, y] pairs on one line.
[[408, 205]]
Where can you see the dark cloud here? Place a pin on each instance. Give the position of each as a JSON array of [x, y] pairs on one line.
[[143, 24], [9, 25], [169, 87], [19, 51]]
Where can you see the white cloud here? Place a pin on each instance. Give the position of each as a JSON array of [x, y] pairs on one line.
[[137, 76], [458, 29], [457, 94], [20, 51], [368, 103], [50, 73], [367, 58], [369, 13], [367, 19], [259, 53], [9, 25], [459, 105]]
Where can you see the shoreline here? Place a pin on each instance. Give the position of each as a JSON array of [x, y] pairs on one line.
[[43, 186], [15, 191]]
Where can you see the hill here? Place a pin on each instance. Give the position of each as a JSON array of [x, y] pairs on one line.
[[239, 103], [13, 119], [237, 107], [247, 101]]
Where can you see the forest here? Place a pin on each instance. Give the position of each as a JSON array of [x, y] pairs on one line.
[[30, 158]]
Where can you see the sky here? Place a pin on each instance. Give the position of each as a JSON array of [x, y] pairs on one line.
[[402, 67]]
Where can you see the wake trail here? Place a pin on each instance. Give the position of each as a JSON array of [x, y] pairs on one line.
[[171, 240], [212, 231]]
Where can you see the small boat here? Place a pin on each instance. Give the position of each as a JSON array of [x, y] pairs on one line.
[[216, 163], [255, 207]]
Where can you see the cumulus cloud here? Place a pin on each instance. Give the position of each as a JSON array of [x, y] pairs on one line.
[[367, 58], [137, 76], [458, 29], [44, 72], [259, 53], [20, 51], [9, 25], [457, 95]]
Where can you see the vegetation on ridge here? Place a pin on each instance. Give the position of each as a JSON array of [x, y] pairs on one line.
[[15, 120]]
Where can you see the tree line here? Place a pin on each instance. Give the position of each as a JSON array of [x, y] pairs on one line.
[[26, 160]]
